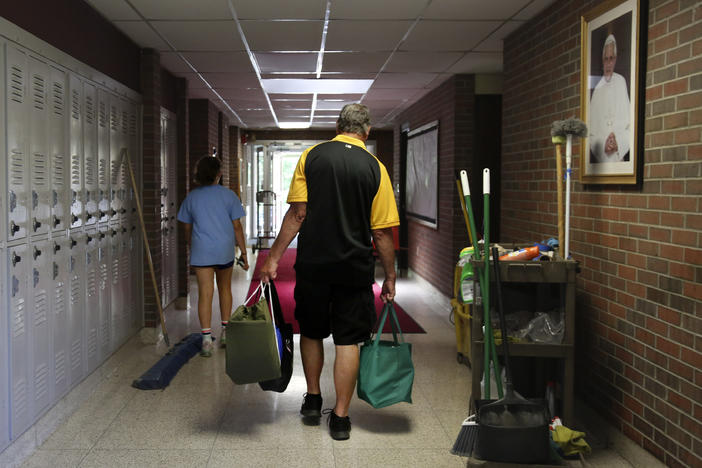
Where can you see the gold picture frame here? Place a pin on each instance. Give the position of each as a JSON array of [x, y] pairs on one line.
[[613, 65]]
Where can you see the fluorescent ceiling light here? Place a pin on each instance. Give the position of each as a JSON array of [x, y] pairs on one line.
[[293, 124], [308, 86]]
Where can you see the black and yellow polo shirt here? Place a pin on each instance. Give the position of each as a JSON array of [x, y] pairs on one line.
[[348, 192]]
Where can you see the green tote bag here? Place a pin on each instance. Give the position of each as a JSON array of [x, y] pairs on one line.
[[386, 371]]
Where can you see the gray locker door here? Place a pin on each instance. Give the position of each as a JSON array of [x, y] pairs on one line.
[[58, 124], [21, 381], [90, 153], [135, 280], [118, 174], [103, 155], [75, 145], [92, 301], [17, 144], [3, 180], [117, 320], [4, 351], [125, 278], [103, 309], [59, 323], [40, 284], [39, 81], [76, 307]]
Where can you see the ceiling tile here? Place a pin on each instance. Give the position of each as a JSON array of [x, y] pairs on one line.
[[232, 62], [448, 35], [283, 35], [403, 80], [473, 9], [172, 62], [232, 80], [298, 97], [494, 43], [479, 62], [387, 94], [354, 62], [194, 81], [201, 93], [200, 35], [252, 97], [292, 106], [373, 9], [332, 105], [422, 61], [365, 35], [288, 114], [533, 9], [113, 10], [142, 35], [291, 62], [345, 97], [183, 9], [282, 9]]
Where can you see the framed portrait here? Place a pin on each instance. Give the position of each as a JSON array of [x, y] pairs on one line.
[[422, 196], [613, 67]]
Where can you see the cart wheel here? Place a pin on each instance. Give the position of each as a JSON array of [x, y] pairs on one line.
[[459, 358]]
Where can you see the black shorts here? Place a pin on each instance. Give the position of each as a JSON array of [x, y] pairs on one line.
[[346, 312], [216, 267]]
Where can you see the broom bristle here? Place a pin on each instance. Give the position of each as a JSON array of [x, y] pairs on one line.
[[463, 447], [570, 126]]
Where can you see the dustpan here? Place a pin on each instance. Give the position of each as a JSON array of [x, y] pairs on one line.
[[512, 429]]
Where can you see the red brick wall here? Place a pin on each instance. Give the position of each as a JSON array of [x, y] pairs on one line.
[[235, 161], [639, 301], [433, 252], [183, 178], [203, 121], [223, 149]]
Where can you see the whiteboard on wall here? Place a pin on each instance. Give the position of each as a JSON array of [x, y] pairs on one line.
[[422, 174]]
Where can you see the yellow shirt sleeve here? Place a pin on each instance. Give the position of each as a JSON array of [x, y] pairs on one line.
[[298, 185], [384, 209]]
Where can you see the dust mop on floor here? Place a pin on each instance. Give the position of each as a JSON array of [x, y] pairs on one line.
[[161, 373]]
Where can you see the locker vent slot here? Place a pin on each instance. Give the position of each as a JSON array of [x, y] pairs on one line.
[[17, 168], [92, 342], [59, 299], [90, 169], [103, 276], [38, 92], [75, 104], [75, 170], [17, 84], [105, 333], [41, 382], [115, 271], [132, 124], [92, 283], [124, 268], [39, 171], [76, 354], [114, 115], [89, 110], [75, 293], [125, 122], [102, 114], [19, 398], [58, 171], [59, 104], [40, 308], [102, 172], [60, 367], [19, 328], [113, 171]]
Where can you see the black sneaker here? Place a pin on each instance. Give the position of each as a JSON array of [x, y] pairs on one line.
[[312, 406], [339, 428]]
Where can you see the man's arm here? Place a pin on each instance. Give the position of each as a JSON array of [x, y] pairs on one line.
[[288, 230], [241, 242], [386, 251]]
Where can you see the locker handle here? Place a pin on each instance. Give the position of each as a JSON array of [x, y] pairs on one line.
[[57, 247], [73, 242], [90, 215], [113, 233], [15, 259], [112, 212], [13, 228], [123, 211], [88, 239], [74, 219], [36, 224], [124, 229], [36, 253], [57, 221], [102, 214], [102, 235]]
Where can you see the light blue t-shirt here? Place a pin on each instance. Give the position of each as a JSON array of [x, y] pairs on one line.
[[211, 210]]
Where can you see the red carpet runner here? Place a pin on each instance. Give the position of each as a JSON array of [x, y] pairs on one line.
[[285, 285]]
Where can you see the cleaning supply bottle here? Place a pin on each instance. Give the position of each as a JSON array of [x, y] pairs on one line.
[[522, 254], [467, 275]]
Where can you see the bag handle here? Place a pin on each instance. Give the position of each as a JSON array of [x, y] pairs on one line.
[[253, 293], [267, 287], [389, 308]]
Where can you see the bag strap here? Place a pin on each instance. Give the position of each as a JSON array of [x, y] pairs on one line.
[[267, 287], [389, 308], [253, 293]]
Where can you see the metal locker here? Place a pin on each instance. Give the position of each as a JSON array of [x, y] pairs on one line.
[[59, 323], [40, 281], [4, 354], [21, 381], [58, 125], [103, 291], [16, 79], [76, 307], [39, 173], [117, 323], [118, 173], [135, 282], [103, 156], [125, 279], [92, 301], [90, 153], [75, 145]]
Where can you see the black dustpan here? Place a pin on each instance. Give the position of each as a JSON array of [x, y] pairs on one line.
[[512, 429]]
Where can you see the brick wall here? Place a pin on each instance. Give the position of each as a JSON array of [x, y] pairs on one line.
[[235, 159], [223, 149], [433, 252], [183, 178], [639, 302], [203, 119]]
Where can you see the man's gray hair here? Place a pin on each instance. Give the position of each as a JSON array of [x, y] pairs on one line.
[[610, 40], [354, 118]]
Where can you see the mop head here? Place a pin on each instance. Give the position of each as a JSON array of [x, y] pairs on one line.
[[571, 126], [161, 374]]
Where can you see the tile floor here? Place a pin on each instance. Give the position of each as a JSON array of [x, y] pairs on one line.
[[203, 419]]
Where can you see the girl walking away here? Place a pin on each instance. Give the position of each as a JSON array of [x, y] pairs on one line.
[[211, 214]]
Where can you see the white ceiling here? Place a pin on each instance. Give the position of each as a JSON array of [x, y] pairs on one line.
[[225, 48]]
